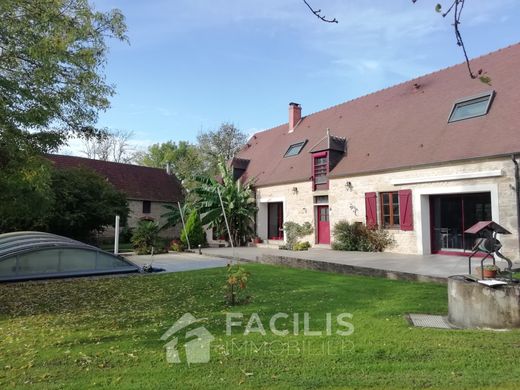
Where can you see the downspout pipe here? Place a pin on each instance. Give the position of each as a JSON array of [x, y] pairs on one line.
[[517, 189]]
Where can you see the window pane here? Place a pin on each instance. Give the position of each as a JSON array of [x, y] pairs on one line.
[[8, 267], [108, 262], [395, 198], [294, 149], [39, 262], [77, 260], [321, 199], [470, 109]]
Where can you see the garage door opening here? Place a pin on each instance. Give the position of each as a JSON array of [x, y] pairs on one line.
[[450, 215]]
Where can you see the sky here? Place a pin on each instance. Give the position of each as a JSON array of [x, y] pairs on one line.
[[191, 65]]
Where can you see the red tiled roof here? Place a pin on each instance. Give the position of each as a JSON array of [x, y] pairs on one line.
[[402, 126], [137, 182]]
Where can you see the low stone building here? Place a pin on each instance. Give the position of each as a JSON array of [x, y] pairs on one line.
[[147, 189], [425, 159]]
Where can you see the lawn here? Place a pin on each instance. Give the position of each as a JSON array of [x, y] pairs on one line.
[[106, 333]]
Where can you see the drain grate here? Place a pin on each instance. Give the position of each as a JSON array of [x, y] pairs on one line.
[[430, 321]]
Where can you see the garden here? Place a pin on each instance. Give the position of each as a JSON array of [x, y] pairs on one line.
[[106, 332]]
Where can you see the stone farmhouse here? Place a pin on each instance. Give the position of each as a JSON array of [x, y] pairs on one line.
[[148, 190], [425, 159]]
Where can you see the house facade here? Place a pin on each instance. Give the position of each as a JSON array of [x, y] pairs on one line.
[[147, 189], [425, 159]]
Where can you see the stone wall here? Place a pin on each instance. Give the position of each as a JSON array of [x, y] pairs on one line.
[[347, 200], [156, 210], [297, 205]]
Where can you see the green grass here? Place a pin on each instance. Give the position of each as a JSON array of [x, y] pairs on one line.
[[105, 333]]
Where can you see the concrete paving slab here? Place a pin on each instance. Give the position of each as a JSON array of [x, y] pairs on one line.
[[425, 267], [178, 262]]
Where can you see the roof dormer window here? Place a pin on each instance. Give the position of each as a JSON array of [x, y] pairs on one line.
[[295, 149], [471, 107]]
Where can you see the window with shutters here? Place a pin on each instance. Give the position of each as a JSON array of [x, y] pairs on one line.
[[395, 209], [389, 209], [320, 170]]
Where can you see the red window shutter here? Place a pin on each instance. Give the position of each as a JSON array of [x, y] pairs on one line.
[[371, 209], [405, 209]]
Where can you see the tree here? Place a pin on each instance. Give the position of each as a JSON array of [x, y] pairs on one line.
[[146, 237], [25, 192], [219, 144], [239, 204], [194, 231], [173, 216], [111, 146], [52, 55], [85, 203], [184, 159]]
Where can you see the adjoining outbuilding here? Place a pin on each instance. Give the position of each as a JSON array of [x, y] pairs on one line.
[[147, 189]]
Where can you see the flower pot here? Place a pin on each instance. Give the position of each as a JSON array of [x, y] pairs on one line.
[[490, 274]]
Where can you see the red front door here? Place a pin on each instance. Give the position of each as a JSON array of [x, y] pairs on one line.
[[323, 225]]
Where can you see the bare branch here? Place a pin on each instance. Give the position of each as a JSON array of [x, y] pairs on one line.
[[456, 8], [318, 14]]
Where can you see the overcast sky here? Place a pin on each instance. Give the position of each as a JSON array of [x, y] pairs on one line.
[[193, 64]]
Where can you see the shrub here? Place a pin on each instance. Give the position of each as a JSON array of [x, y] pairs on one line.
[[236, 282], [357, 237], [301, 246], [194, 231], [176, 245], [126, 234], [293, 231], [146, 237]]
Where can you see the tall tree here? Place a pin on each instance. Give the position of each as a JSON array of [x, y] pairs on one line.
[[85, 203], [51, 62], [25, 192], [111, 146], [52, 54], [222, 143], [184, 159]]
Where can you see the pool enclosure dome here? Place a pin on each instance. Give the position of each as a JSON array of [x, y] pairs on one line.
[[37, 255]]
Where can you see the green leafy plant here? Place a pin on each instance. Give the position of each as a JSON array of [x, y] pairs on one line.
[[239, 204], [173, 215], [126, 234], [357, 237], [294, 231], [194, 231], [176, 245], [301, 246], [491, 267], [146, 237], [85, 203], [236, 283]]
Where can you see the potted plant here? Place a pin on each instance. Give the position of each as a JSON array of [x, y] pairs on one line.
[[257, 240], [490, 271]]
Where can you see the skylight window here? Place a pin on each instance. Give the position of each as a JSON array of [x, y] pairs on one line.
[[471, 107], [295, 149]]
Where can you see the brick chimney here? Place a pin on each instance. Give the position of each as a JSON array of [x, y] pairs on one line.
[[295, 115]]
